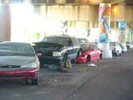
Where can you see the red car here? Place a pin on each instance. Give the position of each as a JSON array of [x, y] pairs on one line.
[[89, 52], [18, 61]]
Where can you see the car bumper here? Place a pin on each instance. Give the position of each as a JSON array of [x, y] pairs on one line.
[[81, 59], [50, 60], [19, 75], [116, 52]]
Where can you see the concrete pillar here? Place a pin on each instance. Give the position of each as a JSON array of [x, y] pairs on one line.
[[90, 24], [5, 22], [104, 29], [122, 26]]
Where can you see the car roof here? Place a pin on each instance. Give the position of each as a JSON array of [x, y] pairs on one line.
[[10, 42], [59, 36]]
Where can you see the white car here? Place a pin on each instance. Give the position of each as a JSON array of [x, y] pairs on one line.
[[116, 49], [129, 45], [123, 46]]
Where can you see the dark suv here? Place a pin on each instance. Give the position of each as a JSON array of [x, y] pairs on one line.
[[57, 49]]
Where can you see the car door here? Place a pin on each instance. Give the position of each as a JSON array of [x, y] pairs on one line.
[[94, 52], [74, 44], [119, 49], [97, 51]]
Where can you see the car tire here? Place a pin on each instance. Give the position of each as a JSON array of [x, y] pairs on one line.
[[79, 53], [116, 54], [35, 81], [113, 54], [28, 81], [88, 59], [101, 56], [73, 61]]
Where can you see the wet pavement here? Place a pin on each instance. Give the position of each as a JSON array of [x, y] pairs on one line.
[[108, 79]]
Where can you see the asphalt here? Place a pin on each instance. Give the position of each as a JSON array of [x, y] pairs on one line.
[[108, 79], [114, 82]]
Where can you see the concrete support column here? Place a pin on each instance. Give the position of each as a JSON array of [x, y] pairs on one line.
[[122, 27], [104, 29], [5, 22]]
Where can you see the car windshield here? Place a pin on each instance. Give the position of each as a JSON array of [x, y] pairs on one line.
[[128, 43], [82, 40], [16, 49], [59, 40], [112, 44]]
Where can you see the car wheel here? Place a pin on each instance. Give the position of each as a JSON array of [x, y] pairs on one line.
[[79, 53], [116, 54], [28, 81], [100, 56], [113, 54], [88, 58], [73, 61], [35, 81]]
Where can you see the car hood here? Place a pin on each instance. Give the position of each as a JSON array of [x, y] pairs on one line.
[[85, 46], [16, 60], [47, 49]]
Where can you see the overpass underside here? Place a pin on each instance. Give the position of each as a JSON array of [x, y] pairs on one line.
[[77, 13]]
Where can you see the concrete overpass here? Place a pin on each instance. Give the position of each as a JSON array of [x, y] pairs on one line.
[[77, 13]]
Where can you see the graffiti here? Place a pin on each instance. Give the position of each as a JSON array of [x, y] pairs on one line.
[[122, 31], [104, 24]]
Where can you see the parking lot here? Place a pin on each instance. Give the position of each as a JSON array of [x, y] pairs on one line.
[[108, 79]]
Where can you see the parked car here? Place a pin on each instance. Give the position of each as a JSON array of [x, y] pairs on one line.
[[124, 47], [90, 52], [129, 45], [116, 49], [95, 43], [18, 61], [57, 49]]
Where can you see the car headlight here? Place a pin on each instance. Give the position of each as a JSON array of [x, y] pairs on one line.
[[56, 53], [30, 65]]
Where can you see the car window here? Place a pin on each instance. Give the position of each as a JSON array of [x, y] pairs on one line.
[[92, 46], [16, 49], [95, 46], [75, 41], [112, 44], [60, 40], [82, 40]]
